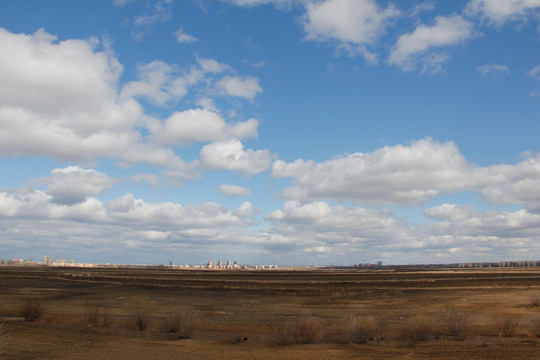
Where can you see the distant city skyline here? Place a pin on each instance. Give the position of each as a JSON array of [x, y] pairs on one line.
[[286, 132]]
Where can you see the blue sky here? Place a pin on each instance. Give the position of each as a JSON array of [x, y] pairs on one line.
[[270, 131]]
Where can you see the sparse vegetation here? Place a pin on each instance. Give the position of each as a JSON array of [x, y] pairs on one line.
[[141, 309], [308, 330], [534, 299], [270, 309], [181, 321], [31, 310], [533, 324], [456, 323], [360, 329], [418, 329], [507, 324]]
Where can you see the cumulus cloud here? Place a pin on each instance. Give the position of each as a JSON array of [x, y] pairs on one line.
[[241, 87], [501, 11], [392, 175], [230, 155], [252, 3], [446, 31], [59, 99], [201, 125], [410, 176], [234, 190], [182, 37], [151, 179], [493, 70], [31, 218], [73, 184]]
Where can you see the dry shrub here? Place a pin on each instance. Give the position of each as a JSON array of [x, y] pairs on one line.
[[141, 308], [31, 310], [534, 299], [308, 330], [533, 324], [507, 325], [95, 317], [456, 323], [182, 322], [360, 329], [418, 329]]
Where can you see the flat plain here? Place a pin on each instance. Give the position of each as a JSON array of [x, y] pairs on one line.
[[164, 313]]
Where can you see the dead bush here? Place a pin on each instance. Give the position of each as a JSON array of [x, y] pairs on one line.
[[507, 325], [31, 310], [381, 329], [308, 330], [534, 299], [94, 316], [141, 308], [360, 329], [182, 322], [456, 323], [418, 329], [533, 324]]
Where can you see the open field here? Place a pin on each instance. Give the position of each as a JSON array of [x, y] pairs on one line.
[[346, 314]]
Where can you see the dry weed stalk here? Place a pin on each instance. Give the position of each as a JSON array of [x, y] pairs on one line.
[[181, 321], [418, 329], [456, 323], [507, 325], [360, 329], [31, 310], [141, 309], [308, 330]]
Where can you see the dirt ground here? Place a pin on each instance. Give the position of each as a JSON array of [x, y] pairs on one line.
[[92, 313]]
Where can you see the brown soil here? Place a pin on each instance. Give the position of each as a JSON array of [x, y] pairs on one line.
[[254, 314]]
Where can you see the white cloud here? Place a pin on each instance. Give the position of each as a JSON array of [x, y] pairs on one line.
[[151, 179], [31, 219], [535, 72], [242, 87], [182, 37], [234, 190], [493, 70], [253, 3], [144, 23], [391, 175], [446, 31], [352, 23], [201, 125], [230, 155], [60, 100], [500, 11], [73, 184], [410, 176]]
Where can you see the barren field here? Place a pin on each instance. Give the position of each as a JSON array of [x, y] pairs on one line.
[[69, 313]]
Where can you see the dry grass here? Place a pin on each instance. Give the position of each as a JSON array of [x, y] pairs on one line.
[[308, 330], [360, 329], [95, 317], [533, 324], [418, 329], [534, 299]]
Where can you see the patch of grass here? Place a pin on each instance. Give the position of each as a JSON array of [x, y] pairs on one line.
[[534, 299]]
